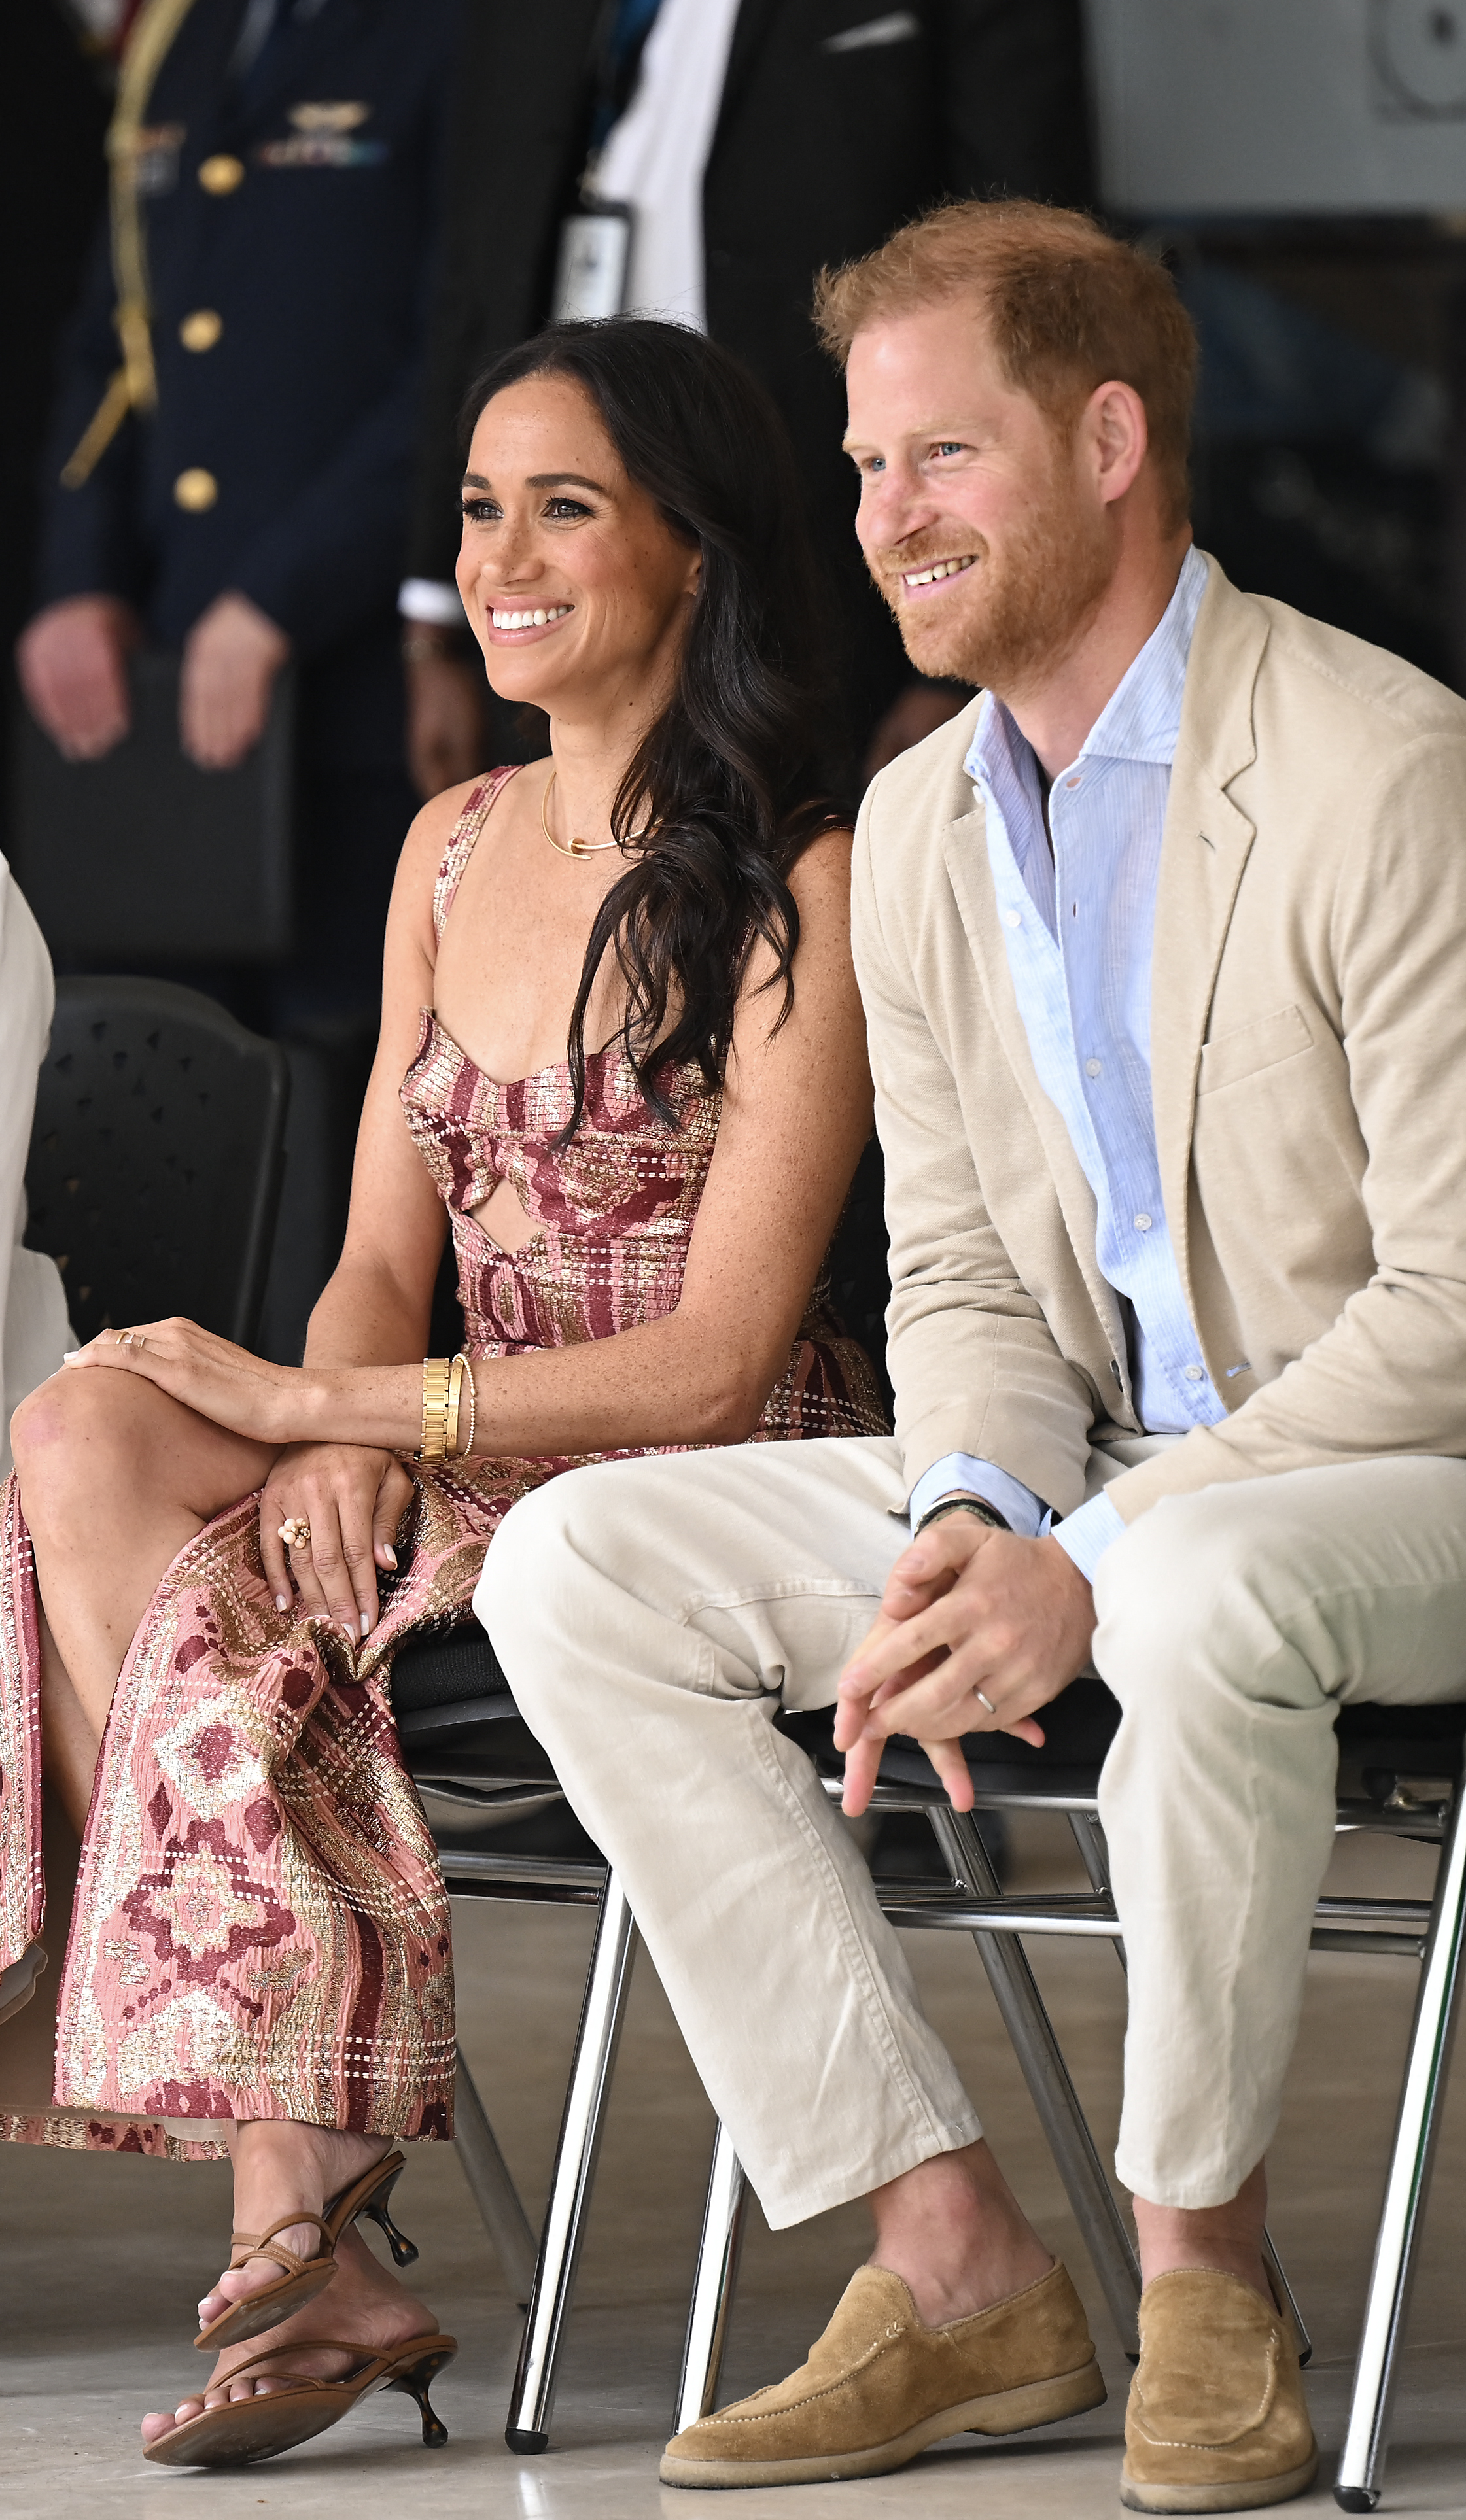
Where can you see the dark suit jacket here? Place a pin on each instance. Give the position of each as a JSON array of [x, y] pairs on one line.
[[817, 154], [305, 409]]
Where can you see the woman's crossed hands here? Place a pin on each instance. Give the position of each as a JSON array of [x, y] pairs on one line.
[[350, 1498]]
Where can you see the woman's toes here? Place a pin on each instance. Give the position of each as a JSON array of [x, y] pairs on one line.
[[155, 2426]]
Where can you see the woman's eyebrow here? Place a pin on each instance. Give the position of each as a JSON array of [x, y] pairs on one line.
[[542, 482]]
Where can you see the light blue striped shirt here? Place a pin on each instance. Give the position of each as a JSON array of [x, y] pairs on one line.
[[1078, 921]]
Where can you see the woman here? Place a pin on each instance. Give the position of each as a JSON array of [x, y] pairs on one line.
[[648, 932]]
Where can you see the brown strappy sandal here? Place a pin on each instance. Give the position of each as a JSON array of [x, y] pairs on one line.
[[301, 2278], [260, 2427]]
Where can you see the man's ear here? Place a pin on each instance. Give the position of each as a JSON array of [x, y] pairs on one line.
[[1116, 437]]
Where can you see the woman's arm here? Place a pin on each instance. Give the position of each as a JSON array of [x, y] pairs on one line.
[[796, 1110], [376, 1305]]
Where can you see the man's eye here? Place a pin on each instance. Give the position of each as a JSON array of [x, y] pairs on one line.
[[951, 446]]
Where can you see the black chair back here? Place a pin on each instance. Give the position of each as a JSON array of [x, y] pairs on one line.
[[859, 1265], [156, 1158]]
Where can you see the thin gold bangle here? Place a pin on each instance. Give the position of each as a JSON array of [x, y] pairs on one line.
[[435, 1377], [455, 1395], [468, 1373]]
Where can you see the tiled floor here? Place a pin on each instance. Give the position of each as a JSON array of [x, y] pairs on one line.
[[100, 2259]]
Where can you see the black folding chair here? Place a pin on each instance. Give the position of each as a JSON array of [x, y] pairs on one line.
[[156, 1155]]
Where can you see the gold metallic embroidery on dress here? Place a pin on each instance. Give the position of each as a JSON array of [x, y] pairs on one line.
[[260, 1927]]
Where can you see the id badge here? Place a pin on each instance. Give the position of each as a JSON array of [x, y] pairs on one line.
[[595, 247]]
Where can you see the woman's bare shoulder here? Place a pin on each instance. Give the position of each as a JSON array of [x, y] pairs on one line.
[[820, 883], [820, 875]]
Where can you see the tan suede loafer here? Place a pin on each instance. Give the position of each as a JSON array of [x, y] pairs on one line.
[[1217, 2420], [880, 2385]]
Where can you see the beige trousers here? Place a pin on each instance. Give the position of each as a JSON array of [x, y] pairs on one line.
[[652, 1617]]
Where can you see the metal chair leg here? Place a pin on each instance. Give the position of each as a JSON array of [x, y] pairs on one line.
[[494, 2192], [1089, 1837], [713, 2285], [1386, 2303], [1027, 2022], [532, 2397]]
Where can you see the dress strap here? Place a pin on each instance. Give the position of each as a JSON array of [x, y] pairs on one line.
[[462, 839]]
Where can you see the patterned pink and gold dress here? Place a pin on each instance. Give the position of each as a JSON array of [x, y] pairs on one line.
[[259, 1927]]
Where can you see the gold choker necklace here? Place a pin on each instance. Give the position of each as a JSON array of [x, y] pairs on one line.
[[576, 848]]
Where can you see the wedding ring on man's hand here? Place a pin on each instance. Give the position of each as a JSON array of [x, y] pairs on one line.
[[984, 1701], [295, 1531]]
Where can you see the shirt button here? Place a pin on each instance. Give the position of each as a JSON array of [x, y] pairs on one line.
[[221, 174], [1195, 1374], [1073, 782], [1013, 917], [1093, 1067], [194, 490], [200, 330], [1141, 1223]]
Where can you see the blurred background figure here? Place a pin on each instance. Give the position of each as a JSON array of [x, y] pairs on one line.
[[702, 160], [237, 488], [55, 100]]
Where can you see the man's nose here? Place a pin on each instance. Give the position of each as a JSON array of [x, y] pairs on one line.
[[890, 509]]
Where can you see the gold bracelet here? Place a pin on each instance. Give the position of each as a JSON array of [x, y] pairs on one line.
[[434, 1444], [455, 1395], [468, 1376]]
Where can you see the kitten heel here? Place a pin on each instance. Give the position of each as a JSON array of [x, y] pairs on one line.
[[415, 2384]]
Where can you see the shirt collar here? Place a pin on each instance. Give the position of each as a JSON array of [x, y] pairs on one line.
[[1142, 719]]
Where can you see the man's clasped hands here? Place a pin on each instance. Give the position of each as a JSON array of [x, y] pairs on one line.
[[967, 1609]]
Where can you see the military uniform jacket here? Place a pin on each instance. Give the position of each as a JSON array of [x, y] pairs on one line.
[[289, 223]]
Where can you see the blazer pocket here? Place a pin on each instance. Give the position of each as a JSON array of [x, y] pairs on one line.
[[1252, 1047]]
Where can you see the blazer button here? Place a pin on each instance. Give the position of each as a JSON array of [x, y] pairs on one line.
[[194, 490], [200, 330], [221, 174]]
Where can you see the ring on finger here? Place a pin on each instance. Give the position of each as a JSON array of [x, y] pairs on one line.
[[130, 1339], [295, 1531], [984, 1701]]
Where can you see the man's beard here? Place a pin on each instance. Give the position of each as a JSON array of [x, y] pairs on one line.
[[1013, 616]]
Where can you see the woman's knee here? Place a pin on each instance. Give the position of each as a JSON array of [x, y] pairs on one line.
[[77, 1434]]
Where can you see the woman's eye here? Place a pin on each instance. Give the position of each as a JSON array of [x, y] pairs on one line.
[[481, 512], [566, 507]]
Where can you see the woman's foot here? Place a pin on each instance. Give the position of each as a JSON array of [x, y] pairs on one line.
[[367, 2305], [280, 2166]]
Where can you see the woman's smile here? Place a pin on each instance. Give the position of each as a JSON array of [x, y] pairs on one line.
[[516, 625]]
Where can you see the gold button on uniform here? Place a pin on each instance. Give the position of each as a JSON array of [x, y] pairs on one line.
[[200, 330], [196, 490], [221, 174]]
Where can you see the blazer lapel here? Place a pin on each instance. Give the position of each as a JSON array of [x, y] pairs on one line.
[[965, 850], [1204, 850], [754, 17]]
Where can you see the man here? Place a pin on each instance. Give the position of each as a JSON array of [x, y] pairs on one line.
[[237, 486], [729, 147], [1164, 951]]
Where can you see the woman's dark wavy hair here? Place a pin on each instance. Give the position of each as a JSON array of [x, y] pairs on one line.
[[725, 790]]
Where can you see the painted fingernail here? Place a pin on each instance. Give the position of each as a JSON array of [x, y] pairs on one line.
[[69, 1355], [281, 1600], [366, 1625], [389, 1553]]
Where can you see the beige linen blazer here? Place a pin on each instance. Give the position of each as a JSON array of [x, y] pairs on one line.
[[1309, 1062]]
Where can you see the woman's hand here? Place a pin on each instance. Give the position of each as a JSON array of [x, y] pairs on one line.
[[275, 1404], [352, 1498]]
